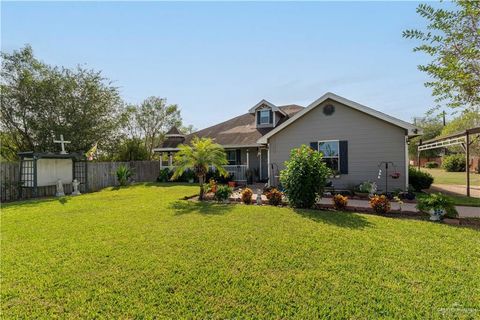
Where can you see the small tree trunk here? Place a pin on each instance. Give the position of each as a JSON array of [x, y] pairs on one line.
[[201, 179]]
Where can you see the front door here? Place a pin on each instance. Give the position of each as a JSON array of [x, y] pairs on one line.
[[263, 164]]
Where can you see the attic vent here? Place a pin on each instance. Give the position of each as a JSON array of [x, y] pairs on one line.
[[328, 110]]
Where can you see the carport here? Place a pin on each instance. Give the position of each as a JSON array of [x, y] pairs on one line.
[[465, 139]]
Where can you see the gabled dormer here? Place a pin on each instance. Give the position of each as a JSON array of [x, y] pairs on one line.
[[267, 114]]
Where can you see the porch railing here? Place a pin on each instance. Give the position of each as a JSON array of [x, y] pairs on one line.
[[239, 172]]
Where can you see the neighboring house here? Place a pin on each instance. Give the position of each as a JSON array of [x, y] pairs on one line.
[[354, 139]]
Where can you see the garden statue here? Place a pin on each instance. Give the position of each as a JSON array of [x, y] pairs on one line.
[[75, 185], [259, 196], [60, 192]]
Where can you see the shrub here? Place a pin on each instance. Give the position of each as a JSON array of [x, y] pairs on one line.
[[304, 177], [419, 179], [431, 165], [454, 163], [164, 175], [340, 202], [380, 204], [274, 197], [123, 175], [247, 196], [223, 192]]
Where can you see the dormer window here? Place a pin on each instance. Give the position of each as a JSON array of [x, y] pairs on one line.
[[264, 117]]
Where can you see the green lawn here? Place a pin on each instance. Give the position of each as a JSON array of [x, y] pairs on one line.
[[139, 252], [442, 177]]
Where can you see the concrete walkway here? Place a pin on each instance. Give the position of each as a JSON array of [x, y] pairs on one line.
[[456, 189], [463, 212]]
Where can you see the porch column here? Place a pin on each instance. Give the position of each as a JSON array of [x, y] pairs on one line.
[[248, 160], [170, 159], [161, 160]]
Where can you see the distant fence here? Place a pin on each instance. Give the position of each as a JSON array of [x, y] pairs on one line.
[[99, 175]]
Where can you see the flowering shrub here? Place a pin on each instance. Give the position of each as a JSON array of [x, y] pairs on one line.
[[340, 202], [247, 196], [274, 197], [380, 204], [304, 177]]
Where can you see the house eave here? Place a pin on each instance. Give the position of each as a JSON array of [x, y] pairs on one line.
[[411, 129]]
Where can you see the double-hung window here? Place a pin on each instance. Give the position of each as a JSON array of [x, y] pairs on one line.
[[331, 153], [264, 116]]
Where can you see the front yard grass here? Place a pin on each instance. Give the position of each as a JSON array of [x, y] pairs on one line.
[[140, 252], [441, 176]]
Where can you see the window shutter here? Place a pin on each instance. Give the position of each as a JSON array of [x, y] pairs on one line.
[[314, 145], [238, 157], [258, 117], [343, 157], [271, 116]]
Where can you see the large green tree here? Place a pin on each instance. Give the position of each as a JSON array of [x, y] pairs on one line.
[[452, 39], [39, 102], [431, 127]]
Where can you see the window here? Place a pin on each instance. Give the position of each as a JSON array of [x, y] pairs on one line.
[[264, 116], [331, 153], [231, 157]]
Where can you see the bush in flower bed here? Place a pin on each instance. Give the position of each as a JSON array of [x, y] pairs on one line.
[[274, 197], [419, 179], [247, 196], [380, 204], [304, 177], [222, 192], [340, 202]]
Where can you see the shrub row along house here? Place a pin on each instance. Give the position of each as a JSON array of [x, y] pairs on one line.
[[354, 139]]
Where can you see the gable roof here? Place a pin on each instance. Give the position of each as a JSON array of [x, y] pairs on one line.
[[241, 130], [411, 129], [264, 102]]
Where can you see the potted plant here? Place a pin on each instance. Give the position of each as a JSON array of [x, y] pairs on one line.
[[365, 189], [438, 205], [213, 185]]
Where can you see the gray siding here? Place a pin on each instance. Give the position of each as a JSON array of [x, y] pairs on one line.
[[370, 141]]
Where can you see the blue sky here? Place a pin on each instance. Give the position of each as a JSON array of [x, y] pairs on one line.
[[216, 60]]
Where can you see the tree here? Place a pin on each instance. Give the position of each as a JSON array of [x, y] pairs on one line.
[[154, 117], [467, 120], [40, 102], [452, 39], [132, 149], [432, 127], [304, 177], [197, 157]]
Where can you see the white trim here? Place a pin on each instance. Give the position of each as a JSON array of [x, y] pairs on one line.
[[174, 135], [412, 130], [231, 146], [165, 149], [330, 157], [260, 171], [268, 166], [268, 104]]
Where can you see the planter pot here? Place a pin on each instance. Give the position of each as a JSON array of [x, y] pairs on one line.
[[232, 184], [436, 214], [363, 195]]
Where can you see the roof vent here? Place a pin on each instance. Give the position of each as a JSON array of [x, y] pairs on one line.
[[328, 110]]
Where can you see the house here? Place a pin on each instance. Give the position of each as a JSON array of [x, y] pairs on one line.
[[356, 141]]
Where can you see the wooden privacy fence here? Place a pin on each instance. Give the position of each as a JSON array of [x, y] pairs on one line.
[[99, 175]]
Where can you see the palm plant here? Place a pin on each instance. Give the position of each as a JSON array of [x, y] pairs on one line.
[[198, 156]]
